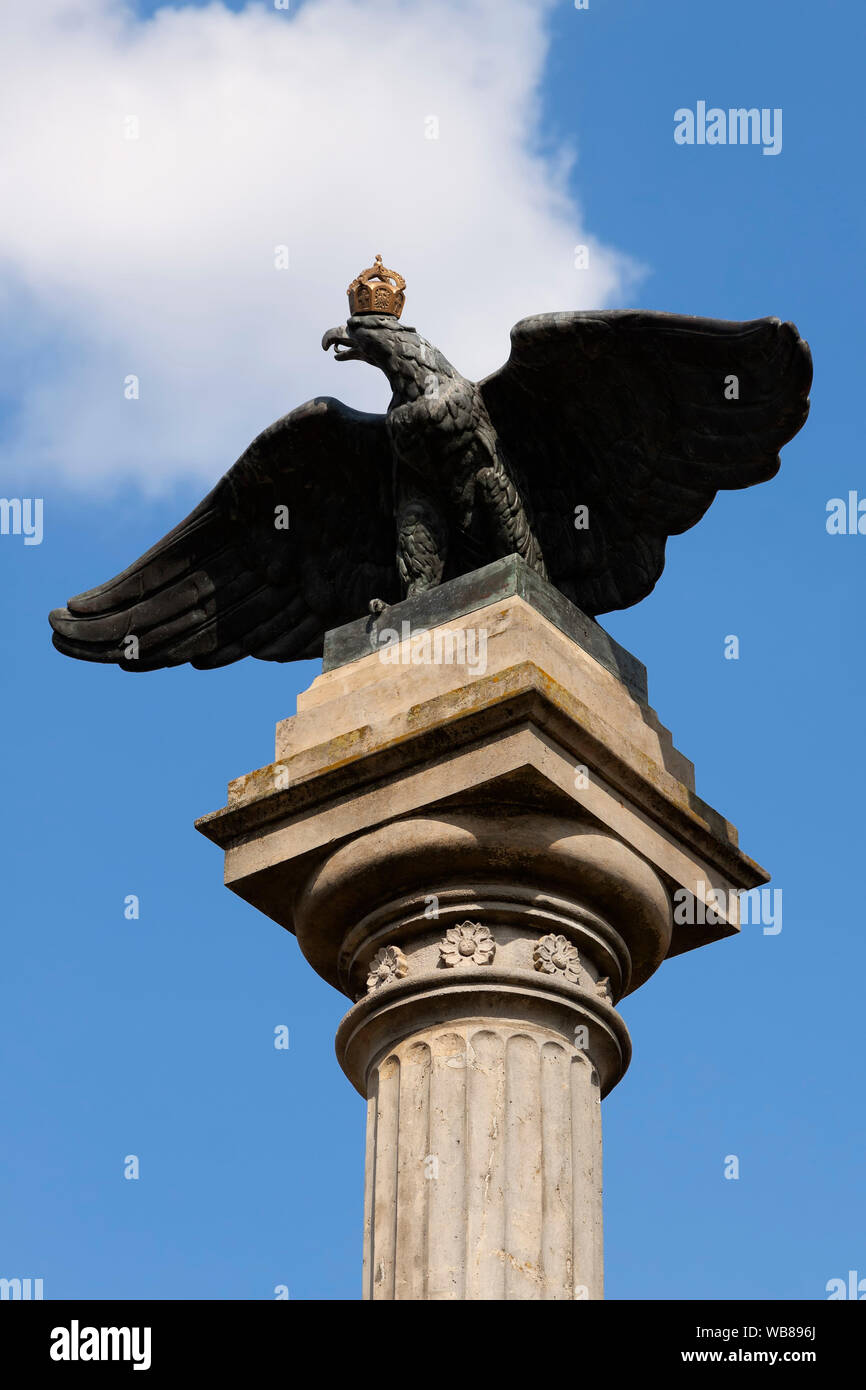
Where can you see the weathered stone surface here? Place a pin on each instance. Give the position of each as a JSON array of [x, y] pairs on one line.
[[369, 746], [482, 855], [484, 1058], [492, 584], [484, 1167]]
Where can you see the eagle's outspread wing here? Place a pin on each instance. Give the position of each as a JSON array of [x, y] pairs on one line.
[[639, 417], [233, 579]]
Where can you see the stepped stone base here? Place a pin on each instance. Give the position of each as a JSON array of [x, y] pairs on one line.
[[475, 825]]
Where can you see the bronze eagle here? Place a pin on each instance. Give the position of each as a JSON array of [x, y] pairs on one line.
[[603, 434]]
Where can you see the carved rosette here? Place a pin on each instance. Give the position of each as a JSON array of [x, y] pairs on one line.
[[387, 965], [483, 1063], [556, 955], [468, 942]]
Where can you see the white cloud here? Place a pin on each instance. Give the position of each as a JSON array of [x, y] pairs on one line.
[[155, 256]]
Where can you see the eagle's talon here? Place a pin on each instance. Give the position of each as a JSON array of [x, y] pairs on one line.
[[377, 607]]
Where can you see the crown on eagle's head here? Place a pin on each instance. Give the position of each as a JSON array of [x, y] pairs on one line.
[[377, 290]]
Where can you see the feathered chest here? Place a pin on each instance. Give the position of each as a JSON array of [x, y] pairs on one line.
[[438, 434]]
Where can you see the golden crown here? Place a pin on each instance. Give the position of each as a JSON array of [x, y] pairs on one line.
[[377, 290]]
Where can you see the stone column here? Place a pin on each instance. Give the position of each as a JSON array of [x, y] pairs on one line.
[[482, 853], [484, 1038]]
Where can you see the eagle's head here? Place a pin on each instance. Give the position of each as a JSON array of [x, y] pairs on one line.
[[374, 338]]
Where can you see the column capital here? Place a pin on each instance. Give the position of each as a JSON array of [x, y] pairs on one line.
[[515, 915], [477, 833]]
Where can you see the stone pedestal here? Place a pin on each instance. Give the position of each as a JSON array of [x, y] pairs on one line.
[[475, 825]]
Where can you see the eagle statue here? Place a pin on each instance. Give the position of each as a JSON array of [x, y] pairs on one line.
[[603, 434]]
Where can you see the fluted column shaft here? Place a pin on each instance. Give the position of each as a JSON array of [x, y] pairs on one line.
[[484, 1036], [483, 1167], [483, 861]]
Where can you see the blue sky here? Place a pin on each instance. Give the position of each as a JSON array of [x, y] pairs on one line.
[[154, 1037]]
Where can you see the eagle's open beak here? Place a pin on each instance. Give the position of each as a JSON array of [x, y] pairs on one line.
[[338, 338]]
